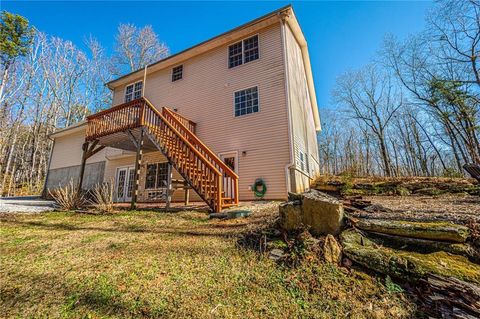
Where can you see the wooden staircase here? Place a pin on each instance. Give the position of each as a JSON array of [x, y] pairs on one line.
[[174, 136]]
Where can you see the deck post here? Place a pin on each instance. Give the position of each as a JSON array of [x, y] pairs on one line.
[[138, 163], [169, 186], [82, 166], [187, 192]]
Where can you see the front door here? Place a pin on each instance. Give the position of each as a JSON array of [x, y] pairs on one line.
[[124, 184], [231, 160]]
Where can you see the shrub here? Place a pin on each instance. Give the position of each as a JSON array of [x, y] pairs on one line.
[[68, 197], [452, 173], [102, 197]]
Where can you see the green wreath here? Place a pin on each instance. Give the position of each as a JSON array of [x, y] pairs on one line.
[[259, 183]]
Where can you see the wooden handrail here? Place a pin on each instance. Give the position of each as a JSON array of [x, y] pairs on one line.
[[114, 108], [189, 124], [197, 152], [205, 148]]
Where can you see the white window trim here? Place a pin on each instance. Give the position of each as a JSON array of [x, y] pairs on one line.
[[243, 50], [258, 98], [133, 92]]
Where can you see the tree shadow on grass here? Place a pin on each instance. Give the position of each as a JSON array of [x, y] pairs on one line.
[[97, 294], [125, 228]]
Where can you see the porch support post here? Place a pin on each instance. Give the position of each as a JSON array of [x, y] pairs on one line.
[[82, 167], [169, 185], [186, 187], [88, 151], [138, 163]]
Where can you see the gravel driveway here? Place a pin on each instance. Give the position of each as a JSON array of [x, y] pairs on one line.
[[27, 204]]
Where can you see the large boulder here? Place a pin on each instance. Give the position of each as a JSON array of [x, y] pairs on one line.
[[291, 215], [321, 213]]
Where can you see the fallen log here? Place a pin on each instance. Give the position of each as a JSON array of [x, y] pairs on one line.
[[450, 297], [427, 246], [438, 231], [404, 264]]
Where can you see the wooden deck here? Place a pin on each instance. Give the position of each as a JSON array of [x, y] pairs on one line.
[[138, 125]]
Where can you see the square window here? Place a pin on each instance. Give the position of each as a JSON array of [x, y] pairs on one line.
[[133, 91], [246, 101], [156, 176], [177, 73], [243, 52]]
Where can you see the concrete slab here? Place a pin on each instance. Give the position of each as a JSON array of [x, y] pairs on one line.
[[25, 204]]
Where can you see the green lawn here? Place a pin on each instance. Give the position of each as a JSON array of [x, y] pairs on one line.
[[169, 265]]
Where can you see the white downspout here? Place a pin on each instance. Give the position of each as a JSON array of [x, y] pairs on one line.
[[144, 81], [287, 98]]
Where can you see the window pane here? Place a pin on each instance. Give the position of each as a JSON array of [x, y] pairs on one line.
[[235, 55], [151, 176], [246, 101], [129, 93], [250, 46], [138, 90], [162, 175]]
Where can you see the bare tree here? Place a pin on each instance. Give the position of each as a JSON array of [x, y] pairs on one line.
[[137, 47], [370, 97]]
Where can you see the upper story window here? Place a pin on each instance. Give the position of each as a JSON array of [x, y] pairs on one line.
[[243, 52], [177, 73], [133, 91], [246, 101]]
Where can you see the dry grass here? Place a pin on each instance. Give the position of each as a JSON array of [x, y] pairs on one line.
[[68, 197], [102, 197], [170, 265]]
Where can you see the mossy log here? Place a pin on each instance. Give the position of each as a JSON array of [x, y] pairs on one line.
[[438, 231], [405, 264], [427, 246]]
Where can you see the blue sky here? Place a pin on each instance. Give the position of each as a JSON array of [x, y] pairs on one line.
[[341, 35]]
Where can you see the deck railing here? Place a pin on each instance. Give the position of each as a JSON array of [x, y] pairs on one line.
[[191, 125], [116, 119], [174, 135]]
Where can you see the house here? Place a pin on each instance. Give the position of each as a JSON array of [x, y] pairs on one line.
[[207, 122]]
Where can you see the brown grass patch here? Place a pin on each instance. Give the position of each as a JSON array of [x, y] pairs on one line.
[[174, 265]]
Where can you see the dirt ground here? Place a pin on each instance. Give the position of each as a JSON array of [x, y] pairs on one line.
[[452, 207]]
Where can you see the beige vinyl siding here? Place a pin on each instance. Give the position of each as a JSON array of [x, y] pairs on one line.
[[303, 126], [67, 150], [206, 95]]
